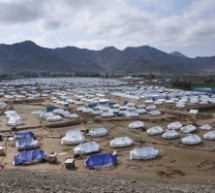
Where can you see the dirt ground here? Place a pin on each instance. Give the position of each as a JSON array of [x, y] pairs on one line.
[[176, 161]]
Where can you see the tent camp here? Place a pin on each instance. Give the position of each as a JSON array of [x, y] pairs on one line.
[[100, 160], [28, 157], [73, 137], [121, 142], [143, 153], [191, 140], [88, 147]]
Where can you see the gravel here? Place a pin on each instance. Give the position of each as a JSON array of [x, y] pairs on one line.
[[22, 181]]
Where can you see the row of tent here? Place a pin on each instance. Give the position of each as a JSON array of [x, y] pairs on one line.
[[129, 110], [93, 161], [25, 141], [51, 87], [44, 87], [76, 137], [172, 133], [56, 114]]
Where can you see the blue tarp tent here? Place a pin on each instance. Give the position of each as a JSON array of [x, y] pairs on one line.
[[51, 108], [100, 160], [26, 157], [24, 135], [24, 144]]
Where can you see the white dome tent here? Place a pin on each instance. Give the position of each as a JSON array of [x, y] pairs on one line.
[[141, 111], [73, 137], [136, 125], [2, 105], [155, 113], [13, 118], [188, 129], [210, 135], [170, 134], [191, 140], [98, 132], [143, 153], [131, 114], [205, 127], [85, 148], [174, 125], [121, 142], [154, 130]]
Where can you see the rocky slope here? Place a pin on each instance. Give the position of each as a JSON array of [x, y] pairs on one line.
[[22, 181]]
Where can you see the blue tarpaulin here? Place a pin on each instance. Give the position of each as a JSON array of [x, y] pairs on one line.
[[51, 108], [26, 157], [100, 160], [24, 135], [24, 144]]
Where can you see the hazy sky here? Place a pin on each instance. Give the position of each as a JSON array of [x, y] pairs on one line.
[[184, 25]]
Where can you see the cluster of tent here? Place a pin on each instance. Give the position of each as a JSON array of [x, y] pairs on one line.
[[76, 137], [34, 88], [172, 132], [27, 144], [129, 110], [161, 95], [56, 114]]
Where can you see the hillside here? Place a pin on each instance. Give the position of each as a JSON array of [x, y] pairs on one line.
[[29, 57]]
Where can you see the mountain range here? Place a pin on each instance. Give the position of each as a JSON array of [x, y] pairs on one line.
[[30, 57]]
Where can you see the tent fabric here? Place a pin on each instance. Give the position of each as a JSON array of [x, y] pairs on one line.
[[191, 140], [100, 160], [98, 132], [170, 134], [121, 142], [180, 105], [141, 111], [28, 157], [24, 144], [174, 125], [13, 118], [131, 114], [2, 105], [154, 130], [155, 113], [209, 135], [205, 127], [188, 129], [24, 135], [143, 153], [73, 137], [88, 147], [136, 125]]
